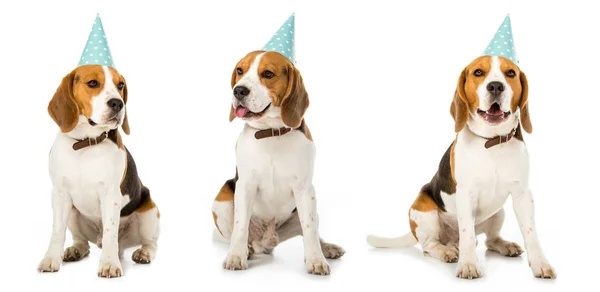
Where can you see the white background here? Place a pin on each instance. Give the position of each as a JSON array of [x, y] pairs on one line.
[[380, 80]]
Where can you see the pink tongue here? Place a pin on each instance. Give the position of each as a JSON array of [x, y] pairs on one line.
[[240, 111]]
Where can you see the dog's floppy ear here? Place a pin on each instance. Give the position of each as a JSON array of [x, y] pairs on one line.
[[231, 109], [295, 101], [125, 125], [459, 108], [524, 104], [62, 107]]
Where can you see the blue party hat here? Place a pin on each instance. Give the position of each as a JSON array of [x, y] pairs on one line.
[[502, 44], [96, 50], [283, 40]]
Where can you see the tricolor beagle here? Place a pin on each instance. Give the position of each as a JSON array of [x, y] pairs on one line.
[[274, 196], [487, 161], [96, 190]]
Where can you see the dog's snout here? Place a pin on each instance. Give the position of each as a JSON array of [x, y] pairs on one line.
[[240, 92], [495, 87], [115, 104]]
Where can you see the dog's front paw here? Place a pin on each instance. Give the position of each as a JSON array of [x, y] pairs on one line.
[[332, 251], [49, 264], [142, 256], [110, 269], [74, 254], [468, 271], [235, 262], [317, 266], [542, 269]]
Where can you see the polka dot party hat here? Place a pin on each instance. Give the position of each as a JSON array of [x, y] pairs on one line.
[[96, 50], [283, 40], [502, 44]]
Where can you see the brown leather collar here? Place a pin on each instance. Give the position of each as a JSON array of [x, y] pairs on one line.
[[491, 142], [89, 142], [271, 133]]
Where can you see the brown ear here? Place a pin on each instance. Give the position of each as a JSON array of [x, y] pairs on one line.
[[125, 125], [62, 107], [295, 102], [231, 109], [459, 109], [524, 104]]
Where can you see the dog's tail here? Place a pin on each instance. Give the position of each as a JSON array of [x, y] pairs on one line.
[[385, 242]]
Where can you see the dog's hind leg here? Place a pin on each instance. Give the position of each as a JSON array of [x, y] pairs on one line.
[[426, 227]]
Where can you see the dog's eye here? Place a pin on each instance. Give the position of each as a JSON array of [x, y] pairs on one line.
[[267, 74], [511, 73], [92, 84], [478, 72], [239, 71], [121, 85]]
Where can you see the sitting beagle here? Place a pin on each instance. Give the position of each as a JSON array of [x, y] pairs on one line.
[[487, 161], [271, 198], [96, 191]]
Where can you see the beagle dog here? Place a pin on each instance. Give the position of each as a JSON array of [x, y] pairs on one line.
[[487, 161], [271, 198], [96, 191]]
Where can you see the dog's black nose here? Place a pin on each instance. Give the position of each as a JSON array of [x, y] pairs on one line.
[[495, 87], [115, 104], [240, 92]]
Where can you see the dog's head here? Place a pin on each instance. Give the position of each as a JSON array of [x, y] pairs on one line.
[[267, 85], [90, 97], [488, 94]]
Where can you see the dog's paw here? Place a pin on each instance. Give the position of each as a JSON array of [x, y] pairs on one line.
[[332, 251], [110, 269], [74, 254], [542, 269], [235, 262], [141, 256], [468, 271], [317, 266], [49, 264], [505, 248], [450, 255]]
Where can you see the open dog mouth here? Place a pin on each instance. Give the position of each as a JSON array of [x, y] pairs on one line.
[[494, 114], [243, 112]]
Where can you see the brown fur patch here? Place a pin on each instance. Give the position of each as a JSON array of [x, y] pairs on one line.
[[413, 228], [424, 203], [226, 193], [146, 206], [158, 214], [452, 160], [215, 217]]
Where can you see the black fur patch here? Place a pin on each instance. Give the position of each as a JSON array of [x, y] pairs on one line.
[[441, 182], [131, 184]]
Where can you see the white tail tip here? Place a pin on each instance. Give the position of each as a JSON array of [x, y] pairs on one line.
[[384, 242]]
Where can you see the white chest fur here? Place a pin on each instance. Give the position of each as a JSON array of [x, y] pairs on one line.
[[88, 173], [490, 174], [277, 165]]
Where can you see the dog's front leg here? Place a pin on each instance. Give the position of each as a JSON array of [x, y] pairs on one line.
[[245, 192], [524, 210], [61, 206], [110, 204], [466, 201], [306, 204]]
